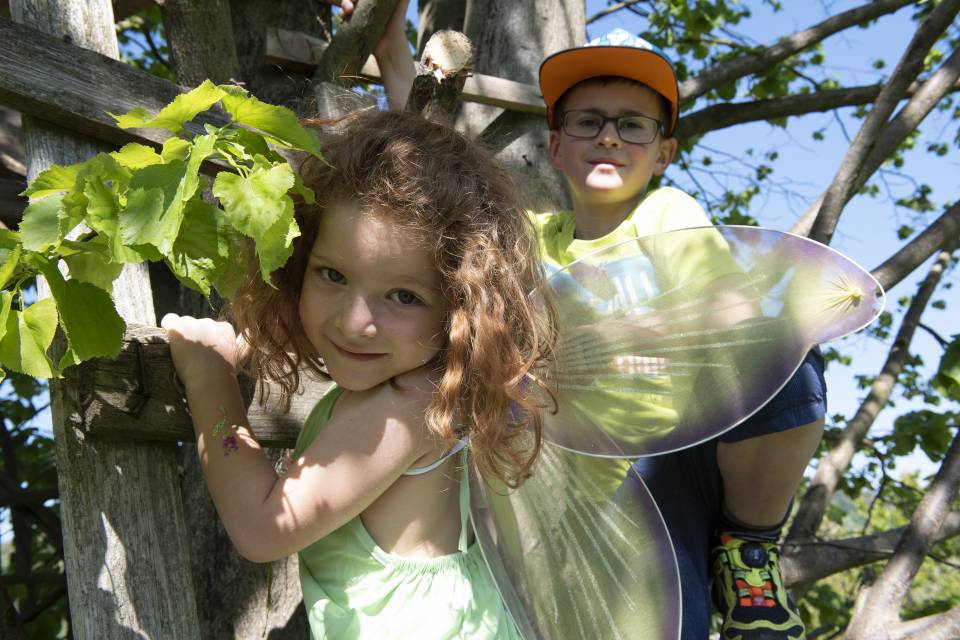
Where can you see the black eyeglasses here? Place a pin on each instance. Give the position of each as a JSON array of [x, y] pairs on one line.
[[577, 123]]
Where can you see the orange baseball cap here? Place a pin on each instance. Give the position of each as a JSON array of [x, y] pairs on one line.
[[617, 53]]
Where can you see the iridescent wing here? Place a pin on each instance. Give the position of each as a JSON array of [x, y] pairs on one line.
[[576, 552], [669, 340], [665, 341]]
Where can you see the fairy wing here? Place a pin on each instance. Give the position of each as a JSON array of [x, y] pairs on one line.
[[665, 341], [653, 358]]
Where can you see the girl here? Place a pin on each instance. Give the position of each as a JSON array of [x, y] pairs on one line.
[[408, 287]]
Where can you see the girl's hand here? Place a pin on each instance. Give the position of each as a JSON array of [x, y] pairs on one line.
[[202, 349]]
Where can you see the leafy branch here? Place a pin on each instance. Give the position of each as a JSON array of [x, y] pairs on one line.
[[136, 205]]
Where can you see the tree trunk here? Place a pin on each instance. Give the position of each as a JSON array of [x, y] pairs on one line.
[[251, 18], [124, 535], [511, 39]]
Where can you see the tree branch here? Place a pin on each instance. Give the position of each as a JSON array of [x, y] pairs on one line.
[[340, 63], [941, 233], [806, 562], [613, 9], [911, 64], [724, 72], [880, 604], [940, 626], [909, 117], [728, 114], [833, 465]]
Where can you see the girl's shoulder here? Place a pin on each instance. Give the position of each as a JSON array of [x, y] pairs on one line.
[[401, 401]]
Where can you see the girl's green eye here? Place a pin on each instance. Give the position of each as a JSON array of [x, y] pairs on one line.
[[405, 297], [332, 275]]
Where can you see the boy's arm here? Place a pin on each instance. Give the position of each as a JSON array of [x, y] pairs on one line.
[[392, 53]]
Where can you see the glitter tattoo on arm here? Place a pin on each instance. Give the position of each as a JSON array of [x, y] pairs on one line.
[[220, 429]]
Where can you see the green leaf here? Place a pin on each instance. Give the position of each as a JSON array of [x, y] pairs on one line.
[[6, 300], [103, 210], [947, 379], [28, 335], [175, 149], [136, 156], [40, 226], [259, 207], [9, 260], [88, 316], [56, 179], [103, 170], [201, 246], [184, 108], [94, 265], [279, 123]]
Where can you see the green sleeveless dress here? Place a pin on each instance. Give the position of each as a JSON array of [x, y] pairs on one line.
[[353, 589]]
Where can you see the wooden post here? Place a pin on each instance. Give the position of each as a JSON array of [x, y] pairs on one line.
[[125, 542]]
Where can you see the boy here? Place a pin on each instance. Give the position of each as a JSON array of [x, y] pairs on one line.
[[612, 107]]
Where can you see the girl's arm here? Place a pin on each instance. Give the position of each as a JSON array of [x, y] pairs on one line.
[[373, 438], [392, 53]]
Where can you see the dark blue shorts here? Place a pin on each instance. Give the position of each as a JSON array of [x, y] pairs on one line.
[[687, 486]]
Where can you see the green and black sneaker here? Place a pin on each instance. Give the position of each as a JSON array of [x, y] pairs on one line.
[[748, 592]]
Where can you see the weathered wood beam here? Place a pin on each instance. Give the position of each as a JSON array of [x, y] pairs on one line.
[[137, 397], [298, 52], [75, 88], [121, 8]]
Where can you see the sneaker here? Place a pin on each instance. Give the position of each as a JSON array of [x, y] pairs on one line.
[[748, 592]]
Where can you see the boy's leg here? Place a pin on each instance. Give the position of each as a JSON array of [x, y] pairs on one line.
[[761, 463], [686, 486], [761, 475]]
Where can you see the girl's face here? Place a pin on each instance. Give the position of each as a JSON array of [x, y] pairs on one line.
[[371, 303]]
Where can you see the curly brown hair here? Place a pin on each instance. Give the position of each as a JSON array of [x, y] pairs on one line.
[[432, 181]]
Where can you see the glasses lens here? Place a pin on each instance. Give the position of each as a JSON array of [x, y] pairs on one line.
[[637, 129], [582, 124]]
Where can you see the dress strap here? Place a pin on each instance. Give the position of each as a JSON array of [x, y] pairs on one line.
[[416, 471], [464, 503]]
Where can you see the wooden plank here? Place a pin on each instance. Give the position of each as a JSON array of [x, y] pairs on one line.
[[75, 88], [298, 52], [136, 397]]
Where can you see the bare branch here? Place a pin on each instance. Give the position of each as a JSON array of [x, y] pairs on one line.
[[340, 63], [833, 465], [613, 9], [911, 64], [909, 117], [880, 604], [728, 114], [806, 562], [724, 72], [940, 626], [942, 231]]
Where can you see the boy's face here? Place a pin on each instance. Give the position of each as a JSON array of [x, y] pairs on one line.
[[604, 169]]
